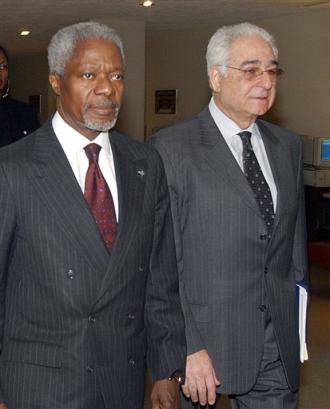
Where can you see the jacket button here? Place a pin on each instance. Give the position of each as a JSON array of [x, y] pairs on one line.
[[89, 369], [70, 274], [131, 316], [141, 268], [266, 270], [262, 308], [91, 319], [263, 236], [131, 362]]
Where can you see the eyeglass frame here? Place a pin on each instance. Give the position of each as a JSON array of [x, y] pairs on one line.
[[277, 72]]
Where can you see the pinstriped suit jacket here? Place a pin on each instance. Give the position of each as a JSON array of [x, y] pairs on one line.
[[75, 321], [224, 257]]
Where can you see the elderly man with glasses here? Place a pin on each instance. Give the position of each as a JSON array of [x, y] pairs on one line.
[[238, 207]]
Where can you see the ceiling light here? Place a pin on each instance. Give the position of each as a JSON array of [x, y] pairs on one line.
[[148, 3], [24, 32]]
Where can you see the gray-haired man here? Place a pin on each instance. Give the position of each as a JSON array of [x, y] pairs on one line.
[[89, 289], [238, 206]]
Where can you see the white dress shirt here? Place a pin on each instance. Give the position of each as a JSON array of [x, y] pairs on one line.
[[229, 130], [73, 144]]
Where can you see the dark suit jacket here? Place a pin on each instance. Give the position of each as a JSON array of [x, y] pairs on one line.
[[224, 257], [75, 320], [16, 120]]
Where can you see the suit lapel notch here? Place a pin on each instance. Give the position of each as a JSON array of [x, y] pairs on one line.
[[59, 190], [131, 177], [218, 156]]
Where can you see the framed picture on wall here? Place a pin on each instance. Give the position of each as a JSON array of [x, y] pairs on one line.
[[166, 101]]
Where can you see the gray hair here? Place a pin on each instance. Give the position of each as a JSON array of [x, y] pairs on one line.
[[63, 44], [219, 47]]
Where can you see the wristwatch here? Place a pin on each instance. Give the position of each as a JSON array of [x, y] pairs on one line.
[[177, 376]]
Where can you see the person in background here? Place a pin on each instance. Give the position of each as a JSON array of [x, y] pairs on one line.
[[17, 119], [237, 197], [89, 286]]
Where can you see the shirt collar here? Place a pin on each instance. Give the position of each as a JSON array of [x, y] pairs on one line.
[[227, 126], [72, 141]]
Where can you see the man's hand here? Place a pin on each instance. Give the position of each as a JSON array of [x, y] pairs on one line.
[[201, 380], [165, 394], [3, 406]]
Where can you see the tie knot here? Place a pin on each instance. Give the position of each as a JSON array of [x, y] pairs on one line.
[[246, 139], [92, 152]]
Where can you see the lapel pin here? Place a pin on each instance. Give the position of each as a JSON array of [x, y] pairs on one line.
[[141, 173]]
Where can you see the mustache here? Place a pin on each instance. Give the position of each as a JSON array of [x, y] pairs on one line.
[[108, 104]]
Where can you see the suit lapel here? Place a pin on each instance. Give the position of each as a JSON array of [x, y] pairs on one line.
[[131, 174], [279, 164], [56, 185], [219, 157], [58, 189]]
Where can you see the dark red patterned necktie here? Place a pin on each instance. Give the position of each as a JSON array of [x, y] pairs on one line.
[[98, 197]]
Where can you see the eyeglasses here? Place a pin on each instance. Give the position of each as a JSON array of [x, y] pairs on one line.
[[253, 73], [3, 67]]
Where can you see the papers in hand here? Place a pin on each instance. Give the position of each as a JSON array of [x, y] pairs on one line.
[[302, 303]]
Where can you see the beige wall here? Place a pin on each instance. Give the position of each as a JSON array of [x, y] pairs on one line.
[[131, 118], [29, 75], [303, 102], [176, 61]]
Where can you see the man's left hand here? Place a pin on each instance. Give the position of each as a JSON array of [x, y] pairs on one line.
[[165, 394]]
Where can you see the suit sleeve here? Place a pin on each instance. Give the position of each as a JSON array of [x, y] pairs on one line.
[[163, 314], [7, 231], [299, 258], [193, 337]]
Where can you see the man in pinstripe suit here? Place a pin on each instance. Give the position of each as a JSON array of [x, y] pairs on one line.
[[238, 267], [79, 322]]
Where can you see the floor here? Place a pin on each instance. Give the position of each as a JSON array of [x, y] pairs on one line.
[[319, 253], [315, 373]]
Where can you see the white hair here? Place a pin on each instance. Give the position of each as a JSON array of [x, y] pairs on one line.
[[219, 46], [63, 44]]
